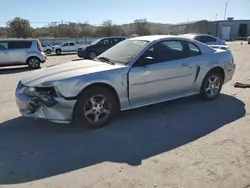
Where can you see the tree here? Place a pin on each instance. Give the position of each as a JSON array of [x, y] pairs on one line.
[[142, 27], [108, 29], [53, 28], [20, 28]]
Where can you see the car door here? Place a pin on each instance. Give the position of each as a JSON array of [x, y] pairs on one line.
[[72, 47], [65, 47], [4, 53], [18, 51], [103, 45], [163, 71]]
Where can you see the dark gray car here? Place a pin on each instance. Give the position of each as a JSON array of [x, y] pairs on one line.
[[97, 47]]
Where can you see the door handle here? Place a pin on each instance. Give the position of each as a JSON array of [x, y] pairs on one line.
[[185, 64], [5, 52]]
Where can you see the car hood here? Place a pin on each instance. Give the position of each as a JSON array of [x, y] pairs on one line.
[[84, 46], [66, 70]]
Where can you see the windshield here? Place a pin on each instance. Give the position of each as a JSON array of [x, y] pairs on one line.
[[96, 41], [125, 51]]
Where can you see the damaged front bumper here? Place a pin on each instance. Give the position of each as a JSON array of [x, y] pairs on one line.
[[45, 104]]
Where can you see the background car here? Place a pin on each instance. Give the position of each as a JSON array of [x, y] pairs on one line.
[[207, 39], [68, 46], [21, 52], [97, 47], [47, 48], [248, 40], [136, 72]]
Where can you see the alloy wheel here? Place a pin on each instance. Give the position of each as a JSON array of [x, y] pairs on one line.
[[92, 55], [213, 86], [34, 63], [97, 109]]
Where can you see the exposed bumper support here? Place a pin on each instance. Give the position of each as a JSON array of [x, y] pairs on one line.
[[61, 111]]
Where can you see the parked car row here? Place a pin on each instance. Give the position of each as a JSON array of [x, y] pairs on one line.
[[30, 51]]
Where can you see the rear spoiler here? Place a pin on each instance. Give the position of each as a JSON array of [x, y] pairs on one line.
[[223, 47]]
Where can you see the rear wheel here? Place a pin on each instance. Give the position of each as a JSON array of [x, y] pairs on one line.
[[211, 86], [95, 107], [58, 52], [48, 51], [34, 62]]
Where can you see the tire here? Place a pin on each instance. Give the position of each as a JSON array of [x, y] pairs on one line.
[[58, 51], [48, 51], [95, 107], [211, 86], [92, 55], [34, 62]]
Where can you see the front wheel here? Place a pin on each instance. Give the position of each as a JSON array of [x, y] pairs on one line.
[[34, 62], [211, 86], [95, 107], [92, 55], [58, 52]]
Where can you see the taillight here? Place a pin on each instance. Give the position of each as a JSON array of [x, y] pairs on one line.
[[39, 46]]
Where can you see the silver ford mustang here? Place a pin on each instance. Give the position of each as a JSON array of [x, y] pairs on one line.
[[134, 73]]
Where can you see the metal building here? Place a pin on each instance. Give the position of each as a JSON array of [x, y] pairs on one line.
[[231, 29], [201, 26]]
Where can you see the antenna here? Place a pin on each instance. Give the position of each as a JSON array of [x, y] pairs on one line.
[[225, 15]]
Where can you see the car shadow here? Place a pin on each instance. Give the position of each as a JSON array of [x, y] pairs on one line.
[[79, 59], [14, 70], [62, 54], [36, 149]]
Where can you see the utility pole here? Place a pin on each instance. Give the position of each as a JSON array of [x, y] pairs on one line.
[[216, 16], [225, 15]]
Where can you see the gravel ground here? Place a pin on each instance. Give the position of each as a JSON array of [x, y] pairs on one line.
[[185, 143]]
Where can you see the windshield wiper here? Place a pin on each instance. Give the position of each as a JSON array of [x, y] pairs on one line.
[[106, 59]]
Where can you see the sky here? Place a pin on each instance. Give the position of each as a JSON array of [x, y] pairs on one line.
[[41, 12]]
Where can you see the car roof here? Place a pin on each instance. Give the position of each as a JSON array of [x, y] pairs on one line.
[[196, 34], [112, 37], [15, 39], [152, 38]]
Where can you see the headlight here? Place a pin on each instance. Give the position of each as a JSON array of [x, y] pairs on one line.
[[29, 91]]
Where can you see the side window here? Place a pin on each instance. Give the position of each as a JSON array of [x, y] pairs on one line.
[[205, 39], [43, 45], [211, 39], [114, 41], [106, 41], [71, 44], [65, 44], [194, 50], [199, 38], [4, 45], [164, 51], [20, 44]]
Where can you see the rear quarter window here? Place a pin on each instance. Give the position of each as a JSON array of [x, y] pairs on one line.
[[20, 44], [205, 39], [194, 50]]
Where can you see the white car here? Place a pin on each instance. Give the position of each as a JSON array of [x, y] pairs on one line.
[[135, 72], [65, 47], [207, 39], [47, 49]]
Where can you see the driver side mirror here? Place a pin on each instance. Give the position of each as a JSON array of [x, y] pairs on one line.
[[145, 61], [148, 60]]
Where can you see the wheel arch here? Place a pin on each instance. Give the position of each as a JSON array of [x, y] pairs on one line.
[[101, 85], [217, 69], [32, 56], [98, 84]]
